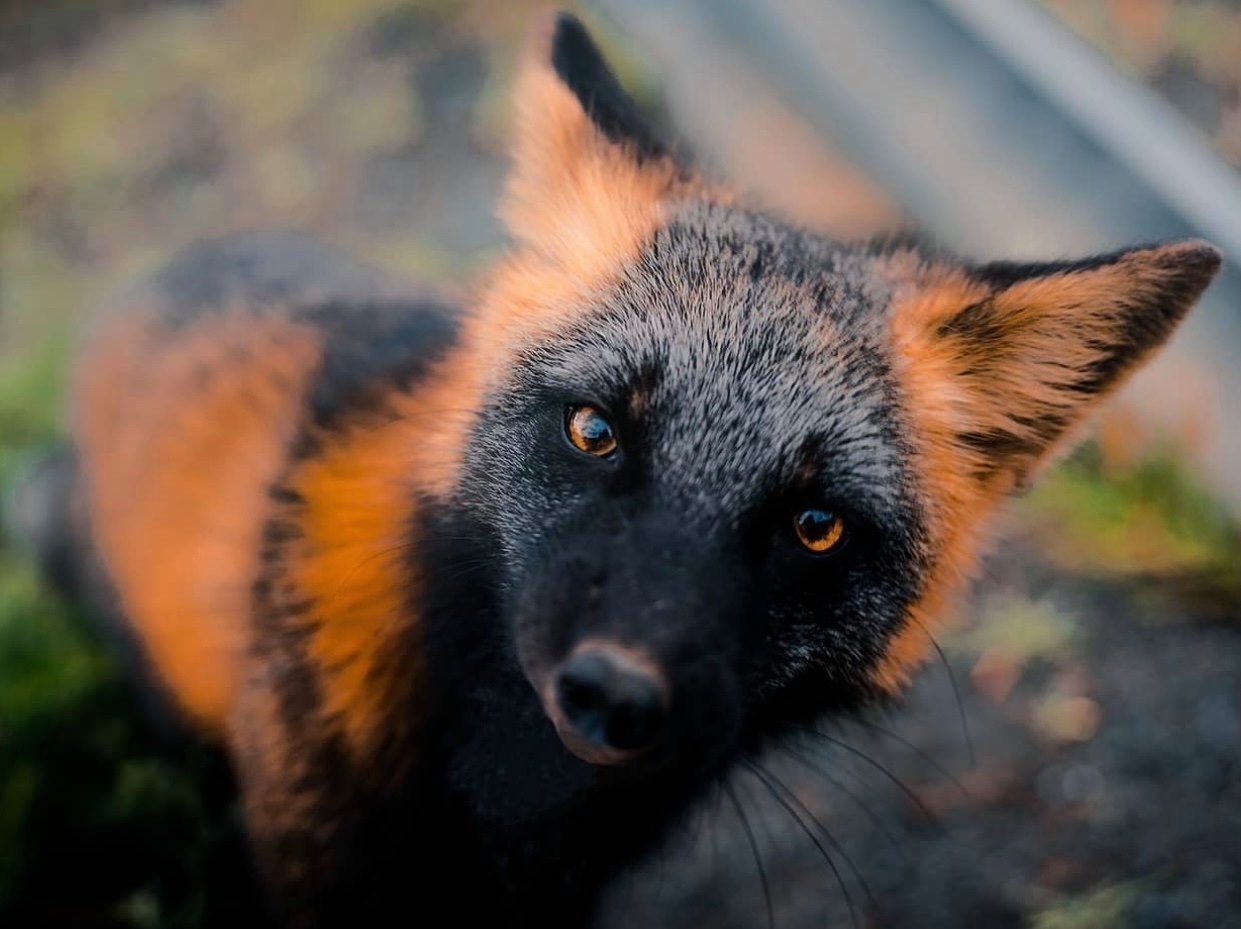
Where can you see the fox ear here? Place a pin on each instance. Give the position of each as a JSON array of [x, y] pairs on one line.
[[579, 66], [1007, 358], [588, 170]]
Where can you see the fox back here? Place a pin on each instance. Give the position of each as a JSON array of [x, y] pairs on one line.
[[499, 591]]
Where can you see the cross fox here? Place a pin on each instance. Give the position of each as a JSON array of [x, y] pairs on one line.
[[480, 600]]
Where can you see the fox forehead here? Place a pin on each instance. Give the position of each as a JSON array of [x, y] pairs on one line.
[[752, 354]]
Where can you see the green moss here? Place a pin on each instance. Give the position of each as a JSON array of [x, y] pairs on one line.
[[90, 794], [1150, 518], [31, 390], [1020, 629], [1101, 908]]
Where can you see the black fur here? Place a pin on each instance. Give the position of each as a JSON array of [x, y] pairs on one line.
[[378, 332], [280, 270], [681, 544], [577, 62], [1002, 274], [373, 348]]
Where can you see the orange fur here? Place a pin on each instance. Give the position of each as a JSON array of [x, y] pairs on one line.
[[179, 442], [1043, 334], [361, 490], [928, 378], [579, 205], [573, 195], [587, 210]]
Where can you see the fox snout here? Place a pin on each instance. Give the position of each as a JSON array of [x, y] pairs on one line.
[[608, 702], [639, 664]]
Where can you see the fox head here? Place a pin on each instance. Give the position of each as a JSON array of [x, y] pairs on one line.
[[736, 470]]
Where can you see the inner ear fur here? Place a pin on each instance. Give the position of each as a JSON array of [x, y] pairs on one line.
[[1010, 357], [589, 176]]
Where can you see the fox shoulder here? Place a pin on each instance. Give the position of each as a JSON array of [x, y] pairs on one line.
[[191, 397]]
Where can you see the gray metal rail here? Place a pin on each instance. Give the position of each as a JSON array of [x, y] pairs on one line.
[[1001, 133]]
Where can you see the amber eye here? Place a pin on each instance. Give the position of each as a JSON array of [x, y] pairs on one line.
[[819, 531], [590, 431]]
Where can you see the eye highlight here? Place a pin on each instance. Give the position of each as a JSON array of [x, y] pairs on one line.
[[589, 431], [819, 531]]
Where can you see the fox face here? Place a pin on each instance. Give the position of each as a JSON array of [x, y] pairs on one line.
[[705, 493], [735, 470]]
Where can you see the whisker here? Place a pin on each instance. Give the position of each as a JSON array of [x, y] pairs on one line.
[[459, 569], [777, 788], [758, 860], [411, 545], [840, 785], [463, 569], [348, 575], [714, 819], [925, 756], [826, 833], [904, 788], [395, 418], [956, 690]]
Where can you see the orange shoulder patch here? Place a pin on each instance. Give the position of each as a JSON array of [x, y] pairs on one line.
[[354, 557], [180, 435]]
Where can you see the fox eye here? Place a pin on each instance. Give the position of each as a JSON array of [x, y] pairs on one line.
[[819, 531], [589, 431]]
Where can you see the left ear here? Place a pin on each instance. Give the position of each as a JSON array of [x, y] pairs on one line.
[[1007, 358], [589, 173]]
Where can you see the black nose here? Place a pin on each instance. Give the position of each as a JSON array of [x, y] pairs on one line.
[[611, 700]]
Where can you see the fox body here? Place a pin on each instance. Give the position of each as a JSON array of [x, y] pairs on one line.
[[486, 597]]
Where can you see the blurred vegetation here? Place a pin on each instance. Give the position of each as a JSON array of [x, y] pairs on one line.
[[1104, 908], [89, 790], [87, 786], [170, 122], [1187, 50], [1147, 517]]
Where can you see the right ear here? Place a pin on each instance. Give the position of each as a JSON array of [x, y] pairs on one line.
[[1006, 359], [589, 174]]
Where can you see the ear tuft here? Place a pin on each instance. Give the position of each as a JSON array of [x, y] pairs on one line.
[[578, 62], [589, 179]]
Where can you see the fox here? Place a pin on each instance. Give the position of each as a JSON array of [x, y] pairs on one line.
[[480, 600]]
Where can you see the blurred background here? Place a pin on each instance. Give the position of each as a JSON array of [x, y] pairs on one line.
[[1074, 760]]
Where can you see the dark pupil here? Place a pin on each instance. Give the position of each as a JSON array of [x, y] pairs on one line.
[[815, 523]]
